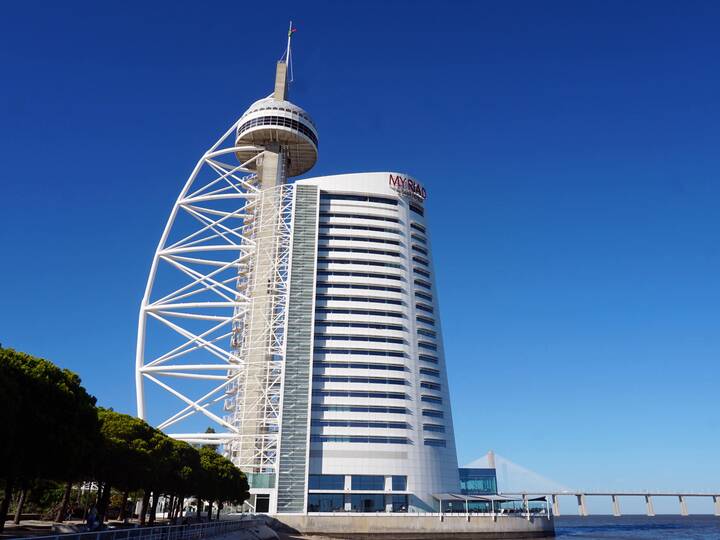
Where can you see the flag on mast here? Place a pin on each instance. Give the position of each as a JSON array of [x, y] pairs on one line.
[[291, 31]]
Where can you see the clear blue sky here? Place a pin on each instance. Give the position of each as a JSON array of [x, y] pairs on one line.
[[571, 151]]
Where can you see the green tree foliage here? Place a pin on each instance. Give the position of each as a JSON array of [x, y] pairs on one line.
[[219, 480], [49, 422], [54, 433]]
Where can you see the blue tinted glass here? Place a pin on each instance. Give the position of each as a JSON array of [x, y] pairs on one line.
[[399, 503], [478, 481], [368, 482], [399, 483], [368, 503], [326, 502], [326, 481]]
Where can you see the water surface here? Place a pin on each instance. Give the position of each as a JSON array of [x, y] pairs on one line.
[[638, 527]]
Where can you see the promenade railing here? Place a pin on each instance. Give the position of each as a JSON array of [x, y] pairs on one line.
[[195, 531]]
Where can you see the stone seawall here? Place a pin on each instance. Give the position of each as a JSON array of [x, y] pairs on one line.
[[410, 527]]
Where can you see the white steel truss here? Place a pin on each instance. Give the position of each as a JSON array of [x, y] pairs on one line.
[[205, 337]]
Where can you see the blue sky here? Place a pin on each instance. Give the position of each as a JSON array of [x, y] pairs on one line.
[[570, 151]]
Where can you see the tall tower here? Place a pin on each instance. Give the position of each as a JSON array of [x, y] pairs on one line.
[[213, 319], [288, 141], [301, 320]]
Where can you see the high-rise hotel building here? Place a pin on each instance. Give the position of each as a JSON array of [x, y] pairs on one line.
[[377, 401], [330, 367]]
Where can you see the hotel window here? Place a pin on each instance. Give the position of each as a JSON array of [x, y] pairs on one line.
[[360, 380], [360, 239], [375, 326], [424, 296], [423, 284], [399, 483], [359, 287], [418, 227], [428, 346], [358, 352], [369, 299], [420, 260], [359, 312], [435, 442], [333, 249], [360, 365], [423, 307], [417, 209], [360, 424], [419, 238], [434, 427], [430, 385], [361, 262], [359, 274], [430, 371], [365, 339], [368, 502], [326, 502], [367, 482], [428, 358], [420, 249], [360, 408], [358, 439], [421, 272], [426, 320], [342, 226], [359, 394], [399, 503], [430, 413], [359, 216], [326, 481], [426, 332], [360, 198], [431, 399]]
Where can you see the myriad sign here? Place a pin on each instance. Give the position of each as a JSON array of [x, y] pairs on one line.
[[407, 186]]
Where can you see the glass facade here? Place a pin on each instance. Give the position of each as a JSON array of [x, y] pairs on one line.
[[399, 483], [372, 502], [326, 481], [399, 503], [478, 481], [326, 502], [366, 482]]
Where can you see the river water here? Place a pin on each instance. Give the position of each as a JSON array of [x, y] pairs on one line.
[[638, 527]]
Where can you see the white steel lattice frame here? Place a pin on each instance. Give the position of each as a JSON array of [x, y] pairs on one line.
[[214, 269]]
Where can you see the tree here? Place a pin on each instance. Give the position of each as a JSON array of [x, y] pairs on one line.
[[219, 481], [125, 455], [49, 421], [184, 469]]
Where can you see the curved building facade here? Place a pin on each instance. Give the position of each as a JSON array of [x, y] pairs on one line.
[[381, 431]]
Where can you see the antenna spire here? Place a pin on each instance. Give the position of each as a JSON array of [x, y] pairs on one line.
[[288, 53]]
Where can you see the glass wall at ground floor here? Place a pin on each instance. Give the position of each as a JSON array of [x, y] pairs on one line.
[[357, 502]]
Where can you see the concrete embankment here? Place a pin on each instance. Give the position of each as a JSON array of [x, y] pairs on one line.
[[411, 527]]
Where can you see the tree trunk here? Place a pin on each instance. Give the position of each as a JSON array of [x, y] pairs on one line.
[[180, 506], [218, 512], [60, 516], [144, 506], [199, 509], [153, 508], [104, 503], [123, 508], [5, 504], [20, 504]]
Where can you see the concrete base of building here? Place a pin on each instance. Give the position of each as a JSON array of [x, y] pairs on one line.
[[414, 526]]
